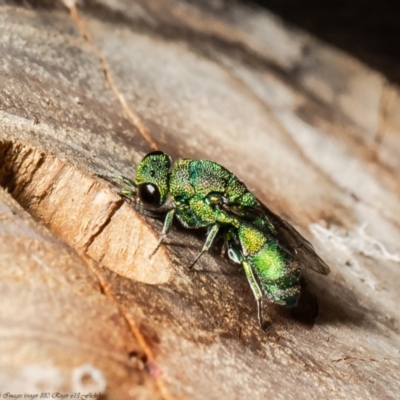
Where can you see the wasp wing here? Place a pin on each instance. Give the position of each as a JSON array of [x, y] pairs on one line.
[[282, 233], [303, 250]]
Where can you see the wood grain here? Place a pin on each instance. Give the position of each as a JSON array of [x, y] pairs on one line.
[[312, 131]]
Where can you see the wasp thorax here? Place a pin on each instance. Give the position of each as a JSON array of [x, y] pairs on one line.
[[152, 179]]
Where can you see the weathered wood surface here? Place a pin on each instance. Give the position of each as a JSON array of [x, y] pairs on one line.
[[313, 132]]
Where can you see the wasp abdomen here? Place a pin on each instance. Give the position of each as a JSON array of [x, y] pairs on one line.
[[277, 273]]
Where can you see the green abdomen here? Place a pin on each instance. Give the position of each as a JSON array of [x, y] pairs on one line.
[[277, 273]]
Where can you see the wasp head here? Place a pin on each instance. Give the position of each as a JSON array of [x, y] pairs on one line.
[[152, 179]]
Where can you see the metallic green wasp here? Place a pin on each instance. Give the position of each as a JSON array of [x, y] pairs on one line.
[[203, 194]]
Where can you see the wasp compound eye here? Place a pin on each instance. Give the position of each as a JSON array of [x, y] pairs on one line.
[[149, 194]]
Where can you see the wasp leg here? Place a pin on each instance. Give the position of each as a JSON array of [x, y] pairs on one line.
[[127, 193], [208, 243], [166, 228], [127, 181], [114, 177], [256, 290]]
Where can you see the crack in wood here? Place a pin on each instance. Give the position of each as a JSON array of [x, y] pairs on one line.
[[115, 207], [133, 116], [133, 326], [30, 165]]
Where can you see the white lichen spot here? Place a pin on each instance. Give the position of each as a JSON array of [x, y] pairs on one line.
[[87, 378], [350, 243]]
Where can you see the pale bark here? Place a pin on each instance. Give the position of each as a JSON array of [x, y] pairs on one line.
[[313, 132]]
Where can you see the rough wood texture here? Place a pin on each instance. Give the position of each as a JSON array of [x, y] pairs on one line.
[[313, 132]]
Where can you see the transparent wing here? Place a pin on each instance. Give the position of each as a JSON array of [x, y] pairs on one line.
[[284, 234]]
